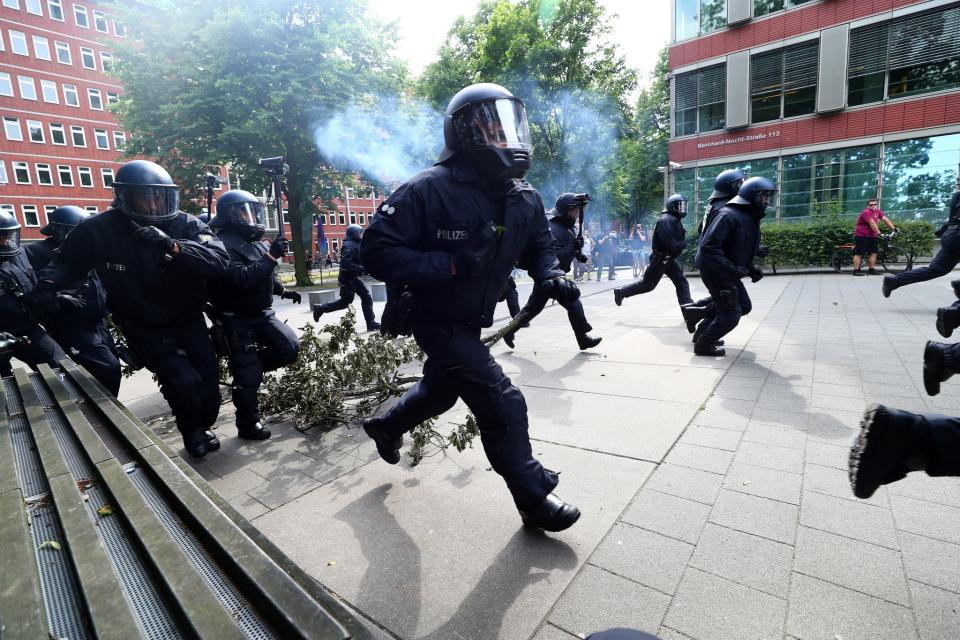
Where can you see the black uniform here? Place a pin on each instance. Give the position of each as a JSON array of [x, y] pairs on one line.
[[511, 297], [17, 282], [725, 255], [157, 300], [258, 342], [351, 268], [946, 259], [449, 210], [669, 241], [82, 333]]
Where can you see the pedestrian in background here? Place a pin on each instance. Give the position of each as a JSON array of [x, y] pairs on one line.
[[607, 255], [865, 237]]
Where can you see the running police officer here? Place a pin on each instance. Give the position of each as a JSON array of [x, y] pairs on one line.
[[82, 332], [256, 341], [155, 262], [567, 247], [669, 241], [725, 255], [351, 268], [18, 299], [452, 234]]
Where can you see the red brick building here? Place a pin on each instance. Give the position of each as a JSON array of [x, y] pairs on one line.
[[838, 101]]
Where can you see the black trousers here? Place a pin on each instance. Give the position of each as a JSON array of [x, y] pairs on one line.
[[92, 347], [575, 314], [181, 355], [513, 300], [41, 350], [258, 343], [459, 365], [659, 266], [349, 288], [730, 303], [942, 263]]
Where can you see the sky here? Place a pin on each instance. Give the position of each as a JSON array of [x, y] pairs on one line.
[[640, 29]]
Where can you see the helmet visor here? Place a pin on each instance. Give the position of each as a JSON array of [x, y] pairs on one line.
[[248, 213], [9, 242], [500, 124], [764, 199], [150, 202], [680, 207]]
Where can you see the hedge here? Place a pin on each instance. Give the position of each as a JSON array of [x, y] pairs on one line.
[[814, 243]]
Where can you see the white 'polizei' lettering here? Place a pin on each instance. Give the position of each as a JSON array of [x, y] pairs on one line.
[[453, 234]]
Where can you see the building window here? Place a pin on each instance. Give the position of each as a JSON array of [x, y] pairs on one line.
[[80, 16], [3, 173], [106, 61], [1, 41], [28, 90], [699, 17], [95, 99], [12, 4], [830, 182], [764, 7], [353, 218], [44, 175], [30, 218], [57, 134], [119, 30], [6, 85], [49, 90], [11, 128], [100, 22], [35, 131], [700, 100], [85, 176], [361, 220], [65, 174], [120, 139], [100, 138], [41, 47], [336, 245], [91, 209], [34, 7], [70, 96], [21, 173], [87, 59], [107, 176], [18, 42], [112, 98], [55, 10], [47, 210], [63, 52], [783, 83], [341, 218], [270, 218], [920, 177], [78, 136]]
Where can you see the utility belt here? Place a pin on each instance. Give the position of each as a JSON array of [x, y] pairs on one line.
[[947, 226]]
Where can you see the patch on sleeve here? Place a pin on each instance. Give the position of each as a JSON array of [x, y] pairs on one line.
[[205, 237]]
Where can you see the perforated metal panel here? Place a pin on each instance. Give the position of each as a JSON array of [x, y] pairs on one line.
[[106, 433]]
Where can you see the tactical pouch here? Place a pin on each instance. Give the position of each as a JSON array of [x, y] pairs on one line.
[[728, 298], [397, 314], [127, 355]]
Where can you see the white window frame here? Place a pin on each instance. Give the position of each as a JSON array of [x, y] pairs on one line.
[[84, 52], [54, 128], [121, 32], [68, 170], [2, 46], [22, 165], [71, 89], [112, 98], [8, 123], [104, 172], [4, 178], [48, 89], [31, 93], [85, 171], [91, 209], [60, 47], [24, 208], [106, 59], [44, 45], [120, 141], [43, 167], [21, 38], [98, 135], [34, 6], [7, 82], [79, 10], [74, 130], [98, 16], [51, 4], [35, 124], [12, 4], [47, 210], [95, 93]]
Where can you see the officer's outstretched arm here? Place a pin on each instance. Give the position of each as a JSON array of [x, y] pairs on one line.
[[711, 249], [538, 257], [204, 255], [249, 276], [673, 237], [74, 260]]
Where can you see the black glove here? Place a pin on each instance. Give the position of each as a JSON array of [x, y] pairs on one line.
[[578, 242], [763, 251], [155, 237], [10, 342], [756, 274], [466, 263], [561, 289], [742, 272], [582, 258], [67, 302], [292, 295], [279, 248], [51, 302]]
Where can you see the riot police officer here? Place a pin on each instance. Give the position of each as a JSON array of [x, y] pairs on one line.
[[351, 268], [83, 332], [155, 262], [725, 256], [567, 247], [18, 283], [241, 306], [669, 241], [452, 234]]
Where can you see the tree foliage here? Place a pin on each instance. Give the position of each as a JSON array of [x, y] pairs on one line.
[[209, 86]]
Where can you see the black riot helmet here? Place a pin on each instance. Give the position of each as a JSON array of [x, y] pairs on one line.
[[204, 217], [727, 184], [240, 211], [677, 205], [9, 234], [487, 124], [757, 193], [62, 220], [354, 232], [145, 191]]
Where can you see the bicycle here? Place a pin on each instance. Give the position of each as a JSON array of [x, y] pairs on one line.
[[889, 251], [639, 262]]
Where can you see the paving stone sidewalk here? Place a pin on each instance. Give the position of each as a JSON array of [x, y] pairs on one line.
[[714, 492]]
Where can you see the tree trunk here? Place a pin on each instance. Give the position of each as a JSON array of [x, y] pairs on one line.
[[295, 218]]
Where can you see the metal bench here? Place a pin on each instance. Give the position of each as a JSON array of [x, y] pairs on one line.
[[106, 533], [323, 296]]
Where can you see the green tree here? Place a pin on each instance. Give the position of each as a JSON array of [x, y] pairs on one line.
[[209, 86]]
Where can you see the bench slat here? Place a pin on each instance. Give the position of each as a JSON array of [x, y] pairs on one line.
[[21, 605], [8, 464], [51, 458], [92, 445]]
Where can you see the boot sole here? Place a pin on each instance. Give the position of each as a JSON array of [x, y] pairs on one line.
[[394, 458], [532, 523], [931, 384], [857, 451], [942, 328]]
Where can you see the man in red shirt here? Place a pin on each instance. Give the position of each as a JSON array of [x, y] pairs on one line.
[[865, 237]]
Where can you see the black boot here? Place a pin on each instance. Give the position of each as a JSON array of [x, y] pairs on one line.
[[889, 284], [692, 315], [710, 349], [618, 296], [948, 319], [553, 514], [213, 443], [373, 326], [891, 443], [586, 341], [935, 367], [956, 287], [195, 443], [256, 432], [388, 449], [317, 312]]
